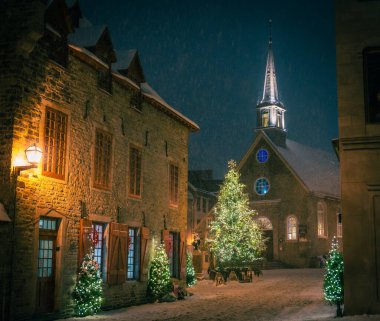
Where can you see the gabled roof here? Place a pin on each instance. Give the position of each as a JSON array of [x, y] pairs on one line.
[[316, 169], [128, 63], [87, 36]]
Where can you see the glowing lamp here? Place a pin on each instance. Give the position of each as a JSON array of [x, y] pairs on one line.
[[33, 154]]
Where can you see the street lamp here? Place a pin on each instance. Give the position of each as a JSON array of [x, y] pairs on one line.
[[33, 155]]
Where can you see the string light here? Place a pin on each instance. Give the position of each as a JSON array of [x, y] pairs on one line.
[[190, 271], [159, 283]]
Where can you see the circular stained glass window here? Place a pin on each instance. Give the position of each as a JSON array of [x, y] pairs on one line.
[[262, 155], [262, 186]]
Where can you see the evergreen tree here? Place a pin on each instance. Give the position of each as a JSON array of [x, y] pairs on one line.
[[88, 292], [159, 283], [236, 239], [333, 285], [190, 272]]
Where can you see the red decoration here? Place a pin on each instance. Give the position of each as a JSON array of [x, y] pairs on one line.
[[94, 237]]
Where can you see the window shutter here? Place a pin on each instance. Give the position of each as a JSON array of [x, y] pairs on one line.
[[166, 241], [182, 254], [117, 257], [85, 238], [143, 249]]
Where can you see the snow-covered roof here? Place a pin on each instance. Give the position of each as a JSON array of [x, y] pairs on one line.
[[149, 92], [86, 36], [318, 170], [124, 59]]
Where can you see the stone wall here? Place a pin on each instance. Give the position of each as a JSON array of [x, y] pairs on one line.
[[33, 83], [357, 28]]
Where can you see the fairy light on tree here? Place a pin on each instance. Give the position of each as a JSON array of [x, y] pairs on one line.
[[159, 283], [235, 238], [190, 272], [333, 285], [88, 292]]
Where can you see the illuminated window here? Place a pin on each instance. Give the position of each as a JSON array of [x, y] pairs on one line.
[[98, 234], [54, 158], [291, 228], [279, 123], [173, 184], [262, 186], [102, 160], [321, 218], [265, 118], [262, 155], [135, 180], [339, 229], [133, 254], [371, 61]]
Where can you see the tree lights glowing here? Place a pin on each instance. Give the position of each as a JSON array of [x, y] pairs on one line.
[[333, 285], [190, 272], [159, 283], [236, 239], [88, 292]]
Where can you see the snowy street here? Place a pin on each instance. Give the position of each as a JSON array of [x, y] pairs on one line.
[[294, 294]]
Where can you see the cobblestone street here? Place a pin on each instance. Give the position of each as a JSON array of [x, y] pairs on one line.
[[294, 294]]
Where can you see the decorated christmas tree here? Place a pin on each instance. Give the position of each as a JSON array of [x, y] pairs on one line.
[[333, 285], [190, 272], [235, 238], [159, 283], [88, 292]]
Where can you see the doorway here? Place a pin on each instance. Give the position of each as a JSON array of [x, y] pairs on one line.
[[46, 264], [267, 228]]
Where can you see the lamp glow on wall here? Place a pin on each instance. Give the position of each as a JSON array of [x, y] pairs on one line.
[[33, 155]]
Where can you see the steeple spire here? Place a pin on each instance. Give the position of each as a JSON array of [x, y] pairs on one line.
[[270, 93], [270, 110]]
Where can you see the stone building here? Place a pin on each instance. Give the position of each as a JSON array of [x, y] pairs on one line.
[[202, 196], [114, 164], [293, 187], [358, 76]]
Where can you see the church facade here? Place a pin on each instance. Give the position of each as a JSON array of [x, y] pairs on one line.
[[293, 187]]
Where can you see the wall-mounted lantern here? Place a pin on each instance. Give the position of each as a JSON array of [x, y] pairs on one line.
[[33, 155]]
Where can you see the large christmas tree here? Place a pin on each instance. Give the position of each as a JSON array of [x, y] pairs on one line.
[[190, 272], [235, 238], [159, 283], [88, 292], [333, 285]]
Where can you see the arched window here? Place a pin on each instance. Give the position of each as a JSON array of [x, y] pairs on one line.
[[321, 219], [291, 228]]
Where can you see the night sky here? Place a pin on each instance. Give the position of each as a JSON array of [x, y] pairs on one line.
[[207, 59]]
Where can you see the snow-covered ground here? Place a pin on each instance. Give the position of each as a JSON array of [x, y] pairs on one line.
[[280, 295]]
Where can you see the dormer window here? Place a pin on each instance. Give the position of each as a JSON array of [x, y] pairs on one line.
[[105, 80], [136, 100], [57, 44]]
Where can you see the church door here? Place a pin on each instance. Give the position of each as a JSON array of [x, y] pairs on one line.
[[268, 234]]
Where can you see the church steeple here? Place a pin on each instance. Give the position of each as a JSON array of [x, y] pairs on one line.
[[270, 110]]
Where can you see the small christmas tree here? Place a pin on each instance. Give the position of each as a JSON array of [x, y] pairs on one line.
[[190, 272], [235, 238], [159, 283], [333, 285], [88, 292]]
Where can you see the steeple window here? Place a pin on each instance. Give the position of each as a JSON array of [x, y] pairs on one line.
[[279, 122], [265, 118]]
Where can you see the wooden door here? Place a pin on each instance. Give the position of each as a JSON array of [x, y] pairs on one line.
[[46, 273], [268, 234]]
